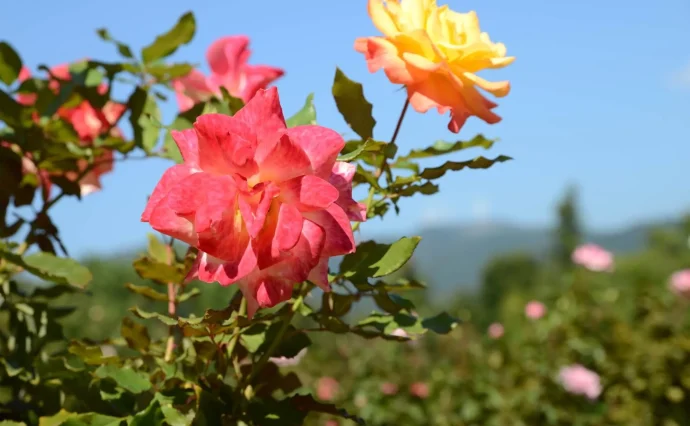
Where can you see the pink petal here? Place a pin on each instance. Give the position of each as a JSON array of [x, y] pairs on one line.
[[255, 217], [210, 269], [192, 89], [264, 115], [308, 193], [281, 232], [339, 238], [319, 275], [321, 145], [170, 178], [225, 145], [188, 144], [341, 178], [227, 55], [281, 161], [228, 240], [164, 220], [258, 77]]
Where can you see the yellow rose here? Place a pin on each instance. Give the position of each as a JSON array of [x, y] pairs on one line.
[[436, 53]]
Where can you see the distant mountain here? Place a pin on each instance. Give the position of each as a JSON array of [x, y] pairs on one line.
[[452, 257]]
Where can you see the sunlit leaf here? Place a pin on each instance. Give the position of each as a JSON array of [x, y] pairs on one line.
[[166, 44], [10, 64], [355, 109], [306, 115]]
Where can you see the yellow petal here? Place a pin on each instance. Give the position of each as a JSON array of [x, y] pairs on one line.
[[420, 62], [382, 18], [496, 88]]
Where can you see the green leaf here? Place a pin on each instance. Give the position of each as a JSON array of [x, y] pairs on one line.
[[147, 292], [49, 267], [188, 295], [366, 147], [162, 273], [231, 104], [136, 335], [392, 303], [11, 423], [253, 337], [427, 188], [289, 348], [353, 106], [10, 64], [92, 355], [169, 146], [166, 44], [337, 305], [443, 147], [11, 112], [148, 315], [151, 416], [145, 118], [122, 48], [172, 416], [158, 250], [166, 72], [125, 377], [477, 163], [377, 260], [441, 323], [306, 115], [79, 419]]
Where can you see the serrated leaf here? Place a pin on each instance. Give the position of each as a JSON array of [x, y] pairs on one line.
[[125, 377], [477, 163], [353, 106], [136, 335], [306, 115], [166, 44], [166, 72], [427, 188], [253, 337], [145, 118], [441, 323], [372, 259], [188, 295], [10, 64], [443, 147], [148, 315], [150, 269], [49, 267], [158, 250], [147, 292]]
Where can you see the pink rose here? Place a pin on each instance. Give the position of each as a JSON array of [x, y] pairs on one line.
[[496, 330], [331, 422], [327, 388], [88, 122], [227, 58], [593, 257], [535, 310], [578, 380], [389, 389], [680, 283], [255, 198], [289, 362], [420, 390]]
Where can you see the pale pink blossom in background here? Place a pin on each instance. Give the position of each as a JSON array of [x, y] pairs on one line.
[[388, 388], [288, 362], [496, 330], [680, 283], [331, 422], [593, 257], [579, 380], [227, 58], [535, 310], [327, 388], [420, 390], [399, 332]]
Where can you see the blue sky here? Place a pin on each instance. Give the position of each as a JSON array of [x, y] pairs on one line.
[[600, 97]]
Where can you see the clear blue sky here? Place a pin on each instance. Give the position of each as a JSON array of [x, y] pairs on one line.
[[600, 97]]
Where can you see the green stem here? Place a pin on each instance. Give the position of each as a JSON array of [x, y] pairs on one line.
[[236, 337]]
